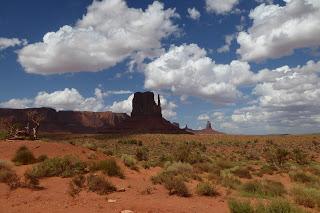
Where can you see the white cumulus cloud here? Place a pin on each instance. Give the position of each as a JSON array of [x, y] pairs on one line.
[[187, 71], [11, 42], [279, 30], [220, 6], [194, 13], [107, 34]]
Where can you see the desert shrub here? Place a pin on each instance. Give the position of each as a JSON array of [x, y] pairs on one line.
[[31, 180], [100, 185], [266, 169], [64, 167], [206, 189], [308, 197], [236, 206], [266, 188], [109, 167], [242, 172], [229, 180], [300, 156], [8, 176], [176, 185], [184, 170], [302, 177], [76, 184], [189, 152], [277, 156], [3, 135], [130, 162], [42, 158], [131, 142], [224, 164], [91, 146], [278, 206], [23, 156], [142, 154]]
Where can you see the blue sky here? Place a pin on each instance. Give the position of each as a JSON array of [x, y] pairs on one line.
[[249, 66]]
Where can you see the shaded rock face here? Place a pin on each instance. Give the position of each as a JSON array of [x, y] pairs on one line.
[[146, 116], [66, 121], [208, 126], [143, 105]]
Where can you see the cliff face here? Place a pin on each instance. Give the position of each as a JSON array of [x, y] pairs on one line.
[[146, 117], [143, 105], [66, 121]]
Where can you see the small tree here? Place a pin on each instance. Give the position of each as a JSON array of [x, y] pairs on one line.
[[35, 118]]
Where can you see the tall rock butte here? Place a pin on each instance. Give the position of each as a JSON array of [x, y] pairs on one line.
[[146, 116]]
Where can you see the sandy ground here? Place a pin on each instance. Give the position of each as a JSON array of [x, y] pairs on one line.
[[55, 198]]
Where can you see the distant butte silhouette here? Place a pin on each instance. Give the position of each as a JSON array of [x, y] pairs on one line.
[[146, 117]]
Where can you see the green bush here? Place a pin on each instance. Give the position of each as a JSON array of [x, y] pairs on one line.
[[3, 135], [302, 177], [229, 180], [206, 189], [308, 197], [100, 185], [190, 152], [277, 156], [275, 206], [300, 157], [90, 146], [42, 158], [131, 142], [142, 154], [76, 184], [278, 206], [176, 185], [242, 173], [63, 167], [266, 188], [236, 206], [130, 162], [109, 167], [24, 156]]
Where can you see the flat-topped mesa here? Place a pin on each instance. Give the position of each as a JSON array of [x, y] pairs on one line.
[[143, 105]]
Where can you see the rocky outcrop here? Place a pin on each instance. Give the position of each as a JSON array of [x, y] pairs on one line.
[[66, 121], [207, 131], [143, 105], [146, 116]]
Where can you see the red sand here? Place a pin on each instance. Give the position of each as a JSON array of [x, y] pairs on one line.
[[55, 198]]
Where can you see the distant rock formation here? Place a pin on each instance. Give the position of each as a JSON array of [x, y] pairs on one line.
[[143, 105], [146, 117], [208, 130], [66, 121]]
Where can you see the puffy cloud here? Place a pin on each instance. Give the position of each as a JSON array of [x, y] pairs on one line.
[[16, 103], [107, 34], [203, 117], [228, 41], [286, 100], [11, 42], [194, 13], [278, 30], [125, 106], [187, 71], [67, 99], [220, 6]]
